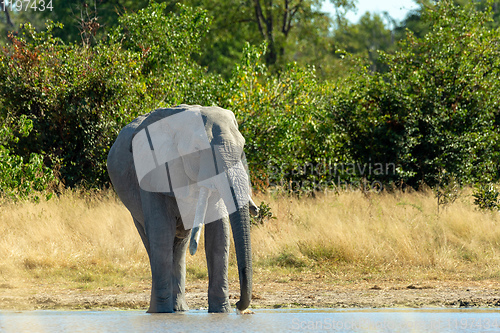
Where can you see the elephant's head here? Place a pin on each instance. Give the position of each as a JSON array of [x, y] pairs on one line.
[[196, 154]]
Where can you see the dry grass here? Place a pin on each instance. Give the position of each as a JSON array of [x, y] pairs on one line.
[[90, 241], [74, 239], [381, 236]]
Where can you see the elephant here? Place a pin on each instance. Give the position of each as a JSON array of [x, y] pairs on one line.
[[176, 170]]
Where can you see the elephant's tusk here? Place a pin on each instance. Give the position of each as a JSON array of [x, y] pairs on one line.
[[199, 219], [254, 210]]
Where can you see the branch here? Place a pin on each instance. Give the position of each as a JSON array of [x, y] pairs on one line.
[[293, 11], [7, 16], [285, 18], [231, 23], [259, 16], [269, 21]]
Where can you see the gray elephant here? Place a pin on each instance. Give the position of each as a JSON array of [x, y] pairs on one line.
[[177, 169]]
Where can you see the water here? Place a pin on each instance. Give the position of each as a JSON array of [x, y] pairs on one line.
[[264, 320]]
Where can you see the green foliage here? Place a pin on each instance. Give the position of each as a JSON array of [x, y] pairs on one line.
[[75, 14], [163, 38], [20, 178], [437, 107], [486, 196], [281, 118], [294, 30], [434, 109], [165, 42], [287, 258], [76, 97], [365, 38], [265, 214]]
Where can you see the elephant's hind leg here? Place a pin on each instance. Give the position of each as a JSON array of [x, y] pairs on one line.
[[142, 233], [217, 253]]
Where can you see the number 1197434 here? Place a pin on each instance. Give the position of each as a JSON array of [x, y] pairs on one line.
[[25, 5]]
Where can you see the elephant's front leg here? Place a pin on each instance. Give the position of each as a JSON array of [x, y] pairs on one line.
[[217, 253], [160, 231], [180, 246]]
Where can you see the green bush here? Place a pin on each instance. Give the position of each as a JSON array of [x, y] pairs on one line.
[[437, 107], [264, 214], [486, 197], [21, 179], [434, 112], [166, 42], [78, 97], [281, 117]]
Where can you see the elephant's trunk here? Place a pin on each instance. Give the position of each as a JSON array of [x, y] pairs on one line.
[[240, 225], [229, 160]]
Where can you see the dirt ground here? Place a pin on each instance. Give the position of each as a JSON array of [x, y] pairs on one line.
[[269, 295]]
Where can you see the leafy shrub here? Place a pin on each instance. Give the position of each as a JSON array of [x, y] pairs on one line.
[[288, 259], [486, 197], [281, 117], [165, 43], [78, 97], [437, 107], [447, 190], [264, 214], [19, 179]]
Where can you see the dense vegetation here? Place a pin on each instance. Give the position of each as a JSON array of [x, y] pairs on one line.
[[425, 111]]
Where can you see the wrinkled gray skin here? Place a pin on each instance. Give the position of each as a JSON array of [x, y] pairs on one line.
[[159, 223]]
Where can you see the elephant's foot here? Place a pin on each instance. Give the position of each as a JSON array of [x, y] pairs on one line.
[[163, 306], [219, 305], [181, 305], [224, 309], [160, 310]]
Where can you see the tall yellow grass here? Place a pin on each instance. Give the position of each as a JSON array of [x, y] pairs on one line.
[[87, 239], [85, 235], [401, 230]]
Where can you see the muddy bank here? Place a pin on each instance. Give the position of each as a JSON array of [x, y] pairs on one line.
[[274, 295]]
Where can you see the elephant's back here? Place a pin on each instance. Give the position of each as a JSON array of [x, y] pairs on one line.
[[120, 162], [120, 154]]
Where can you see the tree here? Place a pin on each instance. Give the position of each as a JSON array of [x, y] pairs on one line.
[[5, 9], [278, 18], [342, 7], [11, 19], [366, 38], [294, 30], [75, 14], [436, 110]]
